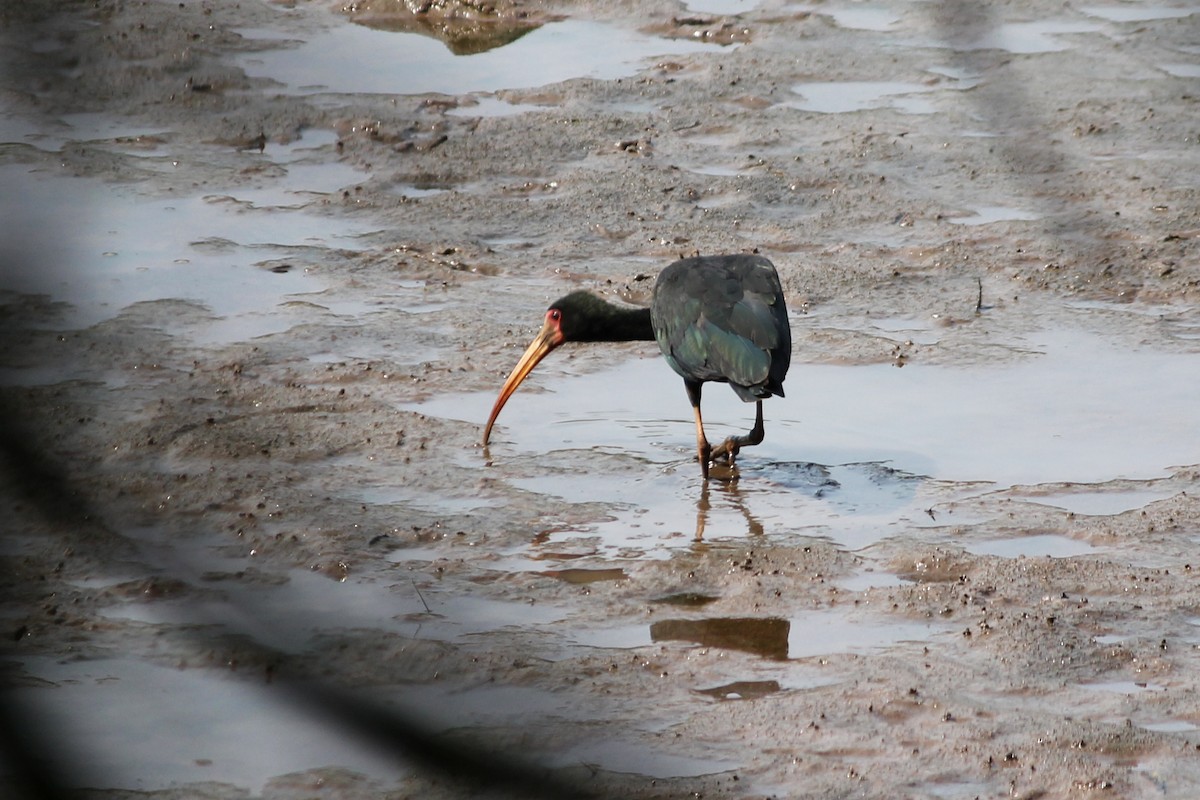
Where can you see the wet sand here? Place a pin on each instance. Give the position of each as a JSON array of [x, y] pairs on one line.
[[266, 266]]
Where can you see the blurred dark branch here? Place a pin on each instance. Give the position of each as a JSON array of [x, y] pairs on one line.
[[38, 482]]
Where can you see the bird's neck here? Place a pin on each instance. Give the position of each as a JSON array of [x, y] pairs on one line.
[[621, 325]]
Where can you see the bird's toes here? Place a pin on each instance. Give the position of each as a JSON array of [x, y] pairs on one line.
[[726, 451]]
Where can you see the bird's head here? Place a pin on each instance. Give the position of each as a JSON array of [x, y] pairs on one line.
[[565, 320], [578, 317], [557, 326]]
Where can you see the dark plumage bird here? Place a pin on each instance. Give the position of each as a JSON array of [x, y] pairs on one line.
[[715, 318]]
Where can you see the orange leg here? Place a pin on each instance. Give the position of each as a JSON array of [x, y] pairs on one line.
[[703, 450]]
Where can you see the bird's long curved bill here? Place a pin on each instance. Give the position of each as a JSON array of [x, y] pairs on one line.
[[546, 340]]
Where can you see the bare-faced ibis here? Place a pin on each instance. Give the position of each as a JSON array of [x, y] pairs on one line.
[[715, 318]]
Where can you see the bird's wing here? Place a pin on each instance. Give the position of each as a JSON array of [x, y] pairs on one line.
[[729, 355], [723, 319]]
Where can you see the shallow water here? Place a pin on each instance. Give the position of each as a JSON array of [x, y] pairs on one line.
[[1033, 546], [1055, 410], [985, 215], [409, 63], [1101, 502], [839, 97], [1181, 70], [1038, 36], [1139, 12], [825, 632], [1025, 37], [289, 614], [1171, 726], [1123, 687], [485, 106], [210, 249], [183, 725], [859, 455], [721, 6], [636, 758]]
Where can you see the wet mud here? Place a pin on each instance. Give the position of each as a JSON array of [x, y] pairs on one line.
[[267, 264]]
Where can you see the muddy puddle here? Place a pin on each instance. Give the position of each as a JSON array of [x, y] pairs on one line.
[[266, 267], [236, 253], [413, 64], [1052, 418], [183, 726]]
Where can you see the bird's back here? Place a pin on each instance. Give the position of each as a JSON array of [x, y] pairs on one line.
[[723, 318]]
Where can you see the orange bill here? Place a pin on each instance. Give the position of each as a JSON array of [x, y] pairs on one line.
[[548, 339]]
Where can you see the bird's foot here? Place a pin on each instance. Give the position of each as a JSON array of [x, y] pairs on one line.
[[726, 452], [718, 462]]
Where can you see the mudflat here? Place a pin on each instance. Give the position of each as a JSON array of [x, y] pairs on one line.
[[266, 266]]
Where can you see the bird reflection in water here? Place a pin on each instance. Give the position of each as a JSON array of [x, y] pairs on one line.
[[760, 636], [735, 499]]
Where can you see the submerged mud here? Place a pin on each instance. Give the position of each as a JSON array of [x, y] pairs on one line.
[[256, 304]]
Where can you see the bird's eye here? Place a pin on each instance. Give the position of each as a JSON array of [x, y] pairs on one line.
[[554, 315]]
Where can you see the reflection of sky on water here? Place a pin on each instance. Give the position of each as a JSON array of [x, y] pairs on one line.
[[408, 63]]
